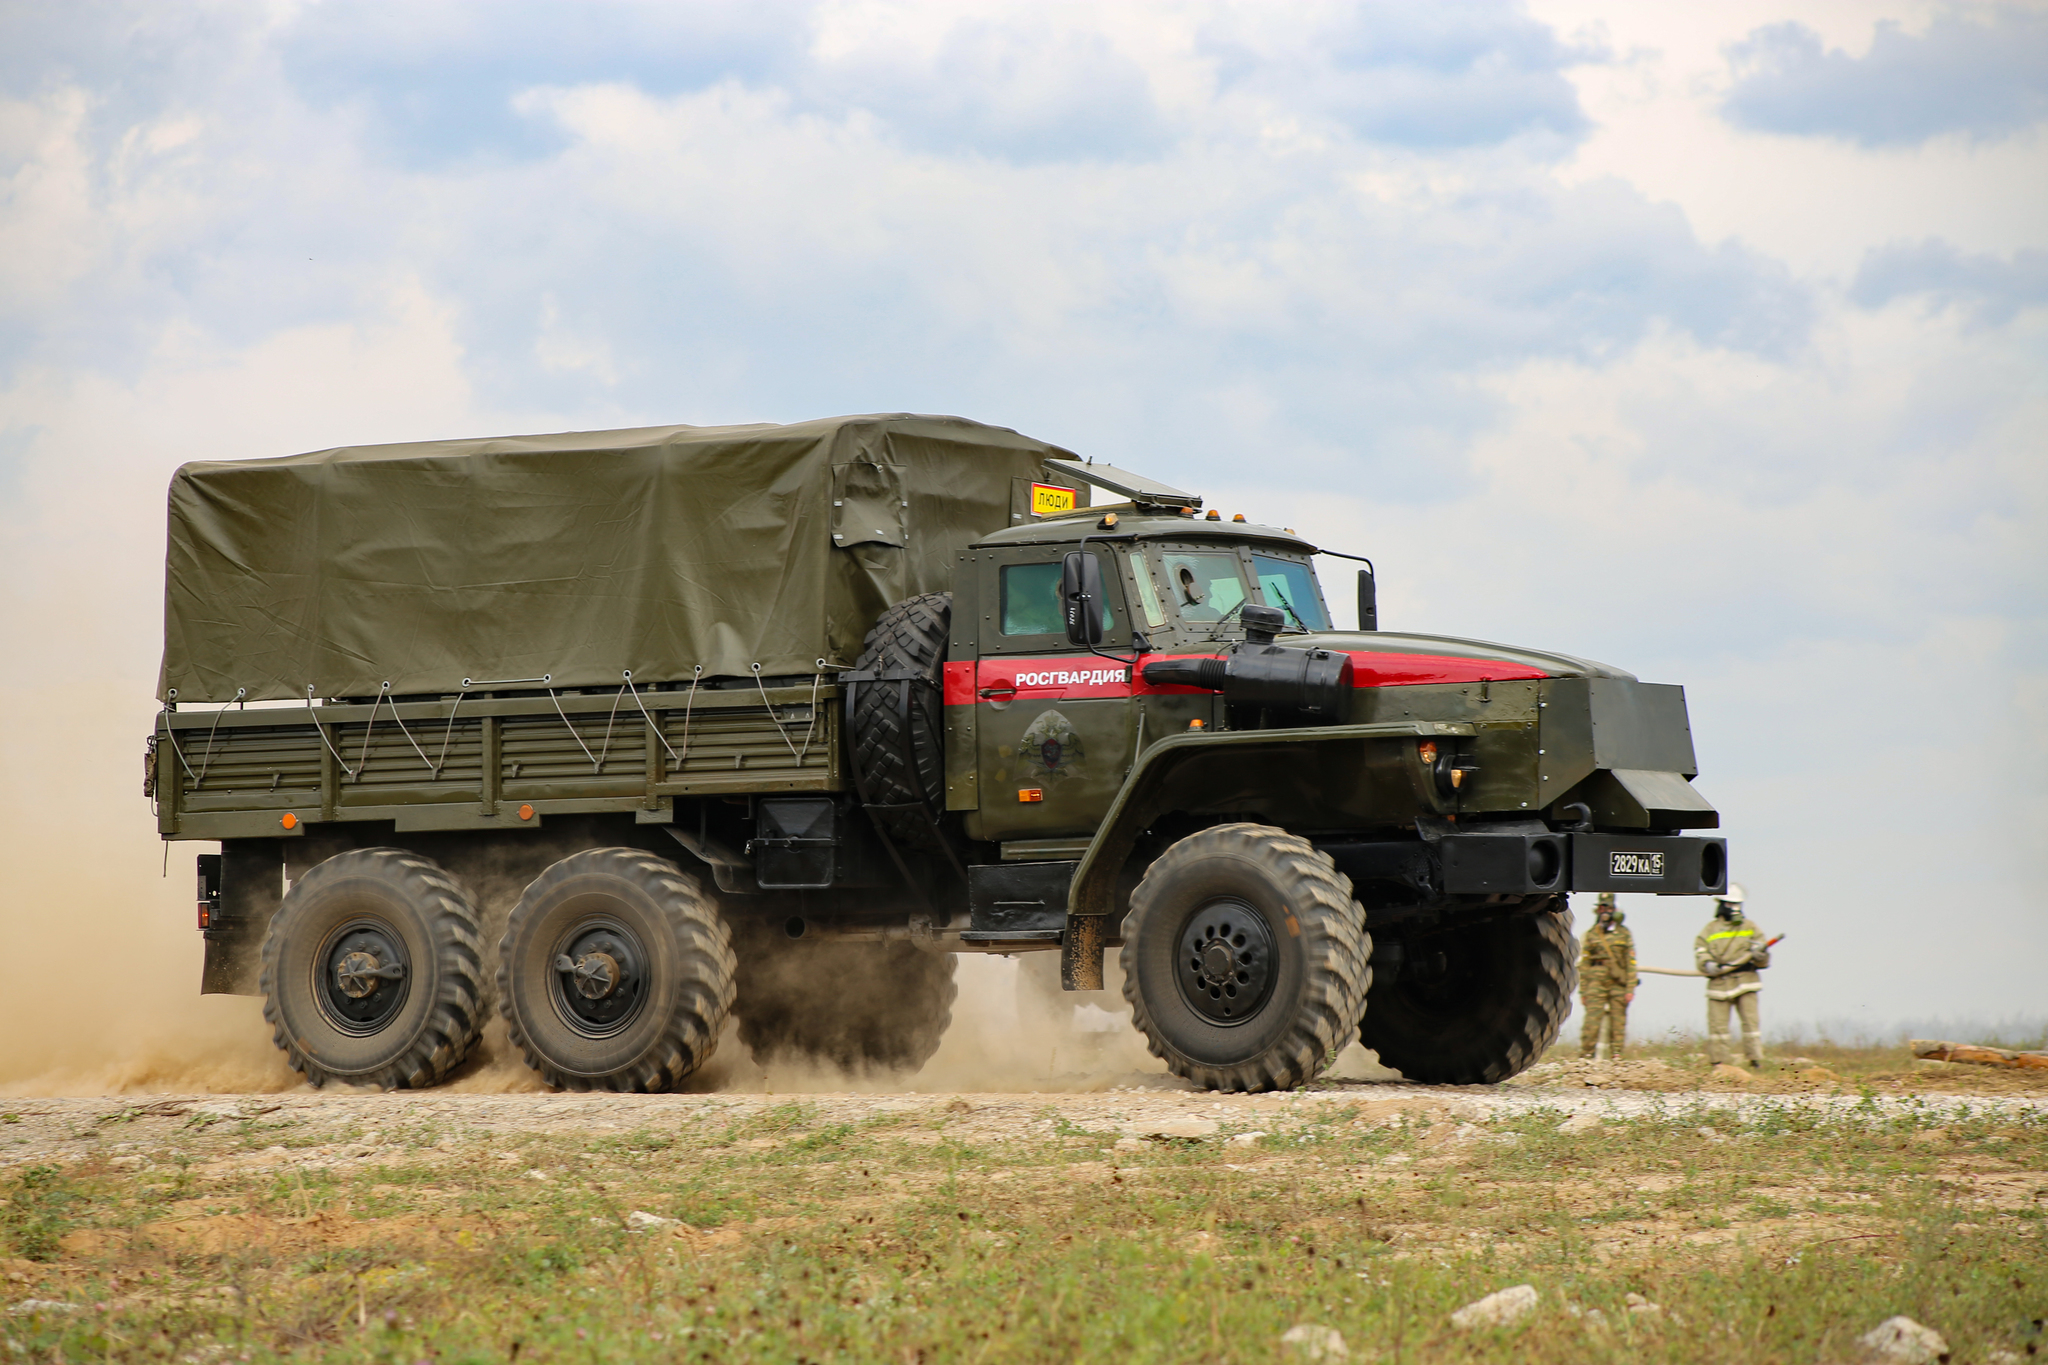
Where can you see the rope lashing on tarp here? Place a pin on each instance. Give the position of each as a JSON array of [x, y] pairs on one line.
[[781, 727], [211, 730], [449, 734], [323, 734], [170, 700], [363, 758], [594, 761], [650, 719], [696, 676]]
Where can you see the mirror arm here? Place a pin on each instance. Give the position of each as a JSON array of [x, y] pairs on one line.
[[1139, 643]]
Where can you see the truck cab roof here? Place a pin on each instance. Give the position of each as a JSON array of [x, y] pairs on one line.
[[1142, 523]]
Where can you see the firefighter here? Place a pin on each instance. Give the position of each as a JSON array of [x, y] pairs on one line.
[[1730, 952], [1607, 979]]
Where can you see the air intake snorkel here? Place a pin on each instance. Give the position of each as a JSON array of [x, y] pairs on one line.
[[1314, 682]]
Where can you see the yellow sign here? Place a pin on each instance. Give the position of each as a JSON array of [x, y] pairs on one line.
[[1047, 500]]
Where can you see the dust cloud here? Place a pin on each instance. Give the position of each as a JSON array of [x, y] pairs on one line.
[[102, 996]]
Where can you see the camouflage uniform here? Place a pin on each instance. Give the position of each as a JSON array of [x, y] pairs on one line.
[[1607, 981], [1731, 950]]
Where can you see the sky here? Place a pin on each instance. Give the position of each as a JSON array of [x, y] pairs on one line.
[[1704, 340]]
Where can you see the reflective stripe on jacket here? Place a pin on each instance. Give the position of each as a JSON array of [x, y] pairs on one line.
[[1726, 943]]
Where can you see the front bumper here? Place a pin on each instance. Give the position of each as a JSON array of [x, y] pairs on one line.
[[1479, 863]]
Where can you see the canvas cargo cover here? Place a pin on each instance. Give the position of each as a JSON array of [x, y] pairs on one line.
[[578, 555]]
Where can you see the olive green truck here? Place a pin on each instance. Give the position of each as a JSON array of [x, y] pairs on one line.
[[625, 733]]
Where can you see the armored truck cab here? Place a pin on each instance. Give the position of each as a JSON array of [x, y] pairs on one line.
[[620, 733]]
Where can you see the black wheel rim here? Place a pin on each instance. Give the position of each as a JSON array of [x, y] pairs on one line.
[[1225, 962], [362, 976], [597, 976]]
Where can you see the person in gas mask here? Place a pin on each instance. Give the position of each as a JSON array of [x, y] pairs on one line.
[[1730, 952], [1607, 979]]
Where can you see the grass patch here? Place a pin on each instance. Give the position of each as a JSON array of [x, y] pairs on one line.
[[812, 1231]]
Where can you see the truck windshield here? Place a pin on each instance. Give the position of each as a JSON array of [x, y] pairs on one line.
[[1206, 584], [1290, 585]]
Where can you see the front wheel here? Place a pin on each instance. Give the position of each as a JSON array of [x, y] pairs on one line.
[[1245, 958], [1476, 1004], [615, 973]]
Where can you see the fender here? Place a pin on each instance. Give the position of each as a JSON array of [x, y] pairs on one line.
[[1159, 780]]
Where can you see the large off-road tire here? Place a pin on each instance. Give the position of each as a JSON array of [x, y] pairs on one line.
[[1245, 958], [857, 1006], [909, 636], [1477, 1004], [373, 971], [648, 980]]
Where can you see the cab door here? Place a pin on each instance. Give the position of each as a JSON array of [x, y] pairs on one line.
[[1053, 722]]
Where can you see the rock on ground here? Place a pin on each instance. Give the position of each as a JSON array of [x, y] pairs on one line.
[[1313, 1341], [1496, 1310], [1902, 1341]]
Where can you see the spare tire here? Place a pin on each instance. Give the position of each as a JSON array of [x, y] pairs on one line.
[[898, 742]]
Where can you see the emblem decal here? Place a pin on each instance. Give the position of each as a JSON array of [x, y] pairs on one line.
[[1050, 748]]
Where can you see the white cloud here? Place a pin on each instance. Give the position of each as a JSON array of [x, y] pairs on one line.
[[1603, 390]]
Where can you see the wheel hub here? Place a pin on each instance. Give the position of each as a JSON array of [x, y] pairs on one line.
[[363, 976], [1226, 962], [600, 977]]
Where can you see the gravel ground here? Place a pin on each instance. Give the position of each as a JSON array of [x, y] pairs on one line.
[[355, 1122]]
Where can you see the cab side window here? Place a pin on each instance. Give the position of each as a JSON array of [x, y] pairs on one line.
[[1031, 600]]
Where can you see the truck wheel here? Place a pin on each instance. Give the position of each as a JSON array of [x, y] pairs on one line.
[[373, 971], [1474, 1005], [910, 635], [855, 1006], [615, 973], [1245, 958]]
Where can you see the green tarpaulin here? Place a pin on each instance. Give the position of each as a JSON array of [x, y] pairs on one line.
[[580, 555]]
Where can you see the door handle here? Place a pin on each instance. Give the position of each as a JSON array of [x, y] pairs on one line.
[[997, 692]]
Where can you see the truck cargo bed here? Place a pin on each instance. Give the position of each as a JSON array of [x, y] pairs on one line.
[[473, 763]]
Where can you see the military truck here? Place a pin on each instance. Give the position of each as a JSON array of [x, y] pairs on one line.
[[623, 733]]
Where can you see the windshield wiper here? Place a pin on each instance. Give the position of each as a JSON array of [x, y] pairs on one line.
[[1224, 620], [1288, 607]]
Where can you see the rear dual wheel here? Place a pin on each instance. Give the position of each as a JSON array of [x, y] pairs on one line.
[[373, 971], [615, 973]]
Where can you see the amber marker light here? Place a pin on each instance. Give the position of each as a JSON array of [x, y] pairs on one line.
[[1428, 750], [526, 812], [1108, 521], [1197, 723], [1238, 517], [289, 821], [1031, 793]]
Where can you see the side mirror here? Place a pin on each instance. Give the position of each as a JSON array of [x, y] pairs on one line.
[[1368, 600], [1081, 597]]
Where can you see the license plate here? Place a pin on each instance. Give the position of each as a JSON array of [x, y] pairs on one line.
[[1635, 864]]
